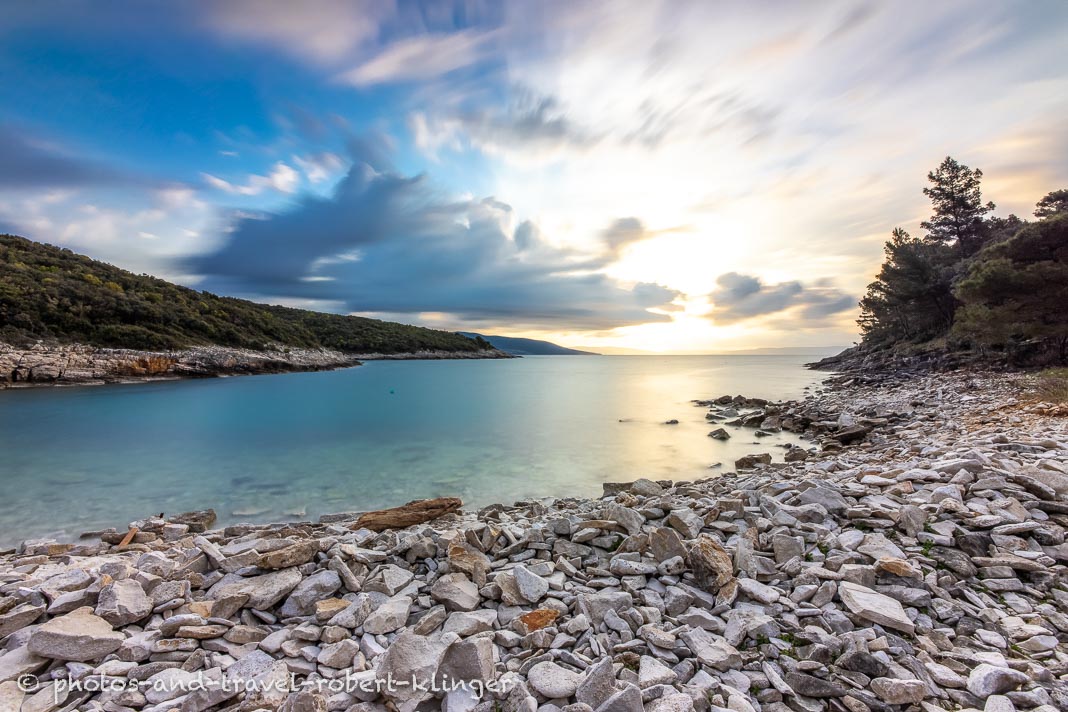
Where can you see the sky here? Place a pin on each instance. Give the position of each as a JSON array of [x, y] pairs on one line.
[[660, 176]]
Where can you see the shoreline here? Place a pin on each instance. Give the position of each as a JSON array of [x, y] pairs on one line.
[[80, 365], [917, 557]]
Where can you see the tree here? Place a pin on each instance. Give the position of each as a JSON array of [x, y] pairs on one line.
[[958, 207], [1055, 203], [1016, 292], [911, 298], [1001, 229]]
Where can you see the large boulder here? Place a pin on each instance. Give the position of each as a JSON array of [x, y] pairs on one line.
[[77, 636], [318, 586], [263, 591], [875, 607], [123, 602]]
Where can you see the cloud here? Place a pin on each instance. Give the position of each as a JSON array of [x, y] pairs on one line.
[[541, 128], [421, 57], [623, 232], [29, 162], [739, 297], [282, 178], [332, 33], [149, 230], [530, 122], [386, 243], [320, 167]]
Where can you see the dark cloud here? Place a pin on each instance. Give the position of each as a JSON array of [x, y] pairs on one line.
[[738, 297], [29, 163], [387, 243]]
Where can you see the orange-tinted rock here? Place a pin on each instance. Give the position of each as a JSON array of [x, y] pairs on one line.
[[536, 620]]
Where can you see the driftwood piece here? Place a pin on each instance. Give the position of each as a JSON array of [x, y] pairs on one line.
[[415, 512], [129, 537]]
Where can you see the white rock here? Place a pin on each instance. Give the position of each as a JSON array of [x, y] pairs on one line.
[[552, 681], [999, 703], [712, 650], [263, 592], [168, 684], [123, 602], [875, 607], [674, 702], [758, 591], [457, 592], [653, 672], [410, 657], [389, 617], [899, 692], [79, 635], [986, 680]]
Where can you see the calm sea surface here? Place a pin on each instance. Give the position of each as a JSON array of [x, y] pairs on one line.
[[271, 448]]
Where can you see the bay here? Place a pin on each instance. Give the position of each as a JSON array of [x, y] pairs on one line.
[[294, 446]]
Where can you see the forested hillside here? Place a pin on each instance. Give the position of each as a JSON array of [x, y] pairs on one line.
[[972, 281], [51, 293]]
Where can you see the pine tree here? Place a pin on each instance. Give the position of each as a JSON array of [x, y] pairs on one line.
[[911, 298], [1055, 203], [958, 207]]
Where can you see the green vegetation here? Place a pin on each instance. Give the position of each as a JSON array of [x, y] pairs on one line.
[[54, 294], [1014, 296], [994, 286]]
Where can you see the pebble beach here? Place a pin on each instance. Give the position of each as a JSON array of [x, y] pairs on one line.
[[909, 556]]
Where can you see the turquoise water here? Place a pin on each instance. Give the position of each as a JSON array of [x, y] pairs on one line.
[[271, 448]]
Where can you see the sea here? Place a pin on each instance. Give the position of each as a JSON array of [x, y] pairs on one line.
[[294, 446]]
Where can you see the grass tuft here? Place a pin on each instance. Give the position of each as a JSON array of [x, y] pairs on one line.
[[1051, 385]]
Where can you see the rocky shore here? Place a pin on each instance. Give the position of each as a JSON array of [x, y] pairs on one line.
[[42, 365], [912, 557]]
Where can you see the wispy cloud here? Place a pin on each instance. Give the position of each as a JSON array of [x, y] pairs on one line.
[[28, 161], [328, 33], [282, 178], [320, 167], [420, 57]]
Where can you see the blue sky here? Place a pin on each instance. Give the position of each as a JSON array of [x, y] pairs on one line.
[[663, 176]]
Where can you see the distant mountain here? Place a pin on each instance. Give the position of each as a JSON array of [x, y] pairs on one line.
[[53, 294], [526, 347]]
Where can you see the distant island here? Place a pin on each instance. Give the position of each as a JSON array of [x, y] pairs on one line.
[[65, 317], [526, 347]]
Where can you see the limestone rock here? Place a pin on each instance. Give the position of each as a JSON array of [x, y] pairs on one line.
[[552, 681], [986, 680], [123, 602], [263, 591], [875, 607], [389, 616], [457, 592], [531, 586], [79, 635], [711, 564], [899, 692]]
